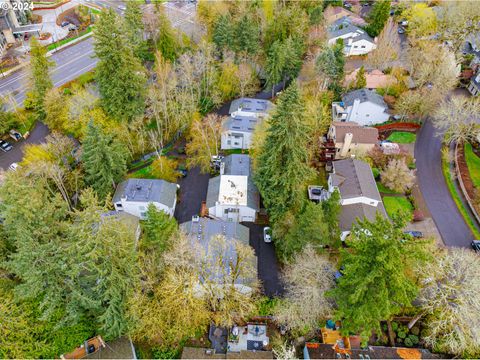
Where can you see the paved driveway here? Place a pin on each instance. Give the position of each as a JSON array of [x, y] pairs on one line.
[[193, 190], [444, 211], [268, 267], [37, 136]]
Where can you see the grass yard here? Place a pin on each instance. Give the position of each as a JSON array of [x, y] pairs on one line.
[[383, 189], [67, 40], [473, 163], [393, 204], [456, 198], [402, 137], [144, 173]]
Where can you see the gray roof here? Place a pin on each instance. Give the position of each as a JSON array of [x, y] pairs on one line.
[[146, 190], [344, 26], [205, 228], [354, 178], [235, 164], [349, 214], [250, 104], [363, 95], [241, 123]]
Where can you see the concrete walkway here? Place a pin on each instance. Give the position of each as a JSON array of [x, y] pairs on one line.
[[49, 22]]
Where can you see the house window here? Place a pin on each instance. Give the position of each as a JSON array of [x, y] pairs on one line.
[[229, 142], [363, 46], [118, 205], [236, 143], [338, 150], [368, 115], [143, 214], [355, 46], [141, 208], [225, 211]]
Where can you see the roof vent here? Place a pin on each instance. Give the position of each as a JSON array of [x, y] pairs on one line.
[[195, 218], [138, 187]]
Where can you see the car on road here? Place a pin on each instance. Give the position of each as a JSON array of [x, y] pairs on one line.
[[414, 234], [401, 30], [122, 7], [267, 234], [5, 146], [64, 23], [476, 246], [15, 135], [13, 167]]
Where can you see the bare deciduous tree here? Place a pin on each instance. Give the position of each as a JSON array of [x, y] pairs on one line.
[[388, 47], [458, 117], [307, 280], [451, 300], [397, 176]]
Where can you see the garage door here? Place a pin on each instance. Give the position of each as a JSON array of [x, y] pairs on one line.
[[248, 218]]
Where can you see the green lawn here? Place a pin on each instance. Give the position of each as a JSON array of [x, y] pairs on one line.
[[402, 137], [393, 204], [145, 173], [383, 189], [473, 163], [456, 197]]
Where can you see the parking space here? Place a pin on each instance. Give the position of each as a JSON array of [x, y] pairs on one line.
[[268, 266], [38, 135], [193, 190]]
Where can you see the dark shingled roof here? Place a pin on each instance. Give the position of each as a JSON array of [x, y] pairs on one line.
[[351, 213], [251, 105], [146, 190], [363, 95], [354, 178], [241, 123]]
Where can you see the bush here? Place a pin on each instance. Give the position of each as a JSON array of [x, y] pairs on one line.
[[415, 330], [376, 173], [401, 334], [408, 342], [394, 326], [414, 339]]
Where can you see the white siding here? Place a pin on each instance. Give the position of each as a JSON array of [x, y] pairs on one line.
[[244, 213], [230, 141], [139, 209]]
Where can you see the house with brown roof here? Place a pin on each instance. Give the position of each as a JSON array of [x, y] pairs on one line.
[[333, 13], [375, 79], [351, 138], [359, 195]]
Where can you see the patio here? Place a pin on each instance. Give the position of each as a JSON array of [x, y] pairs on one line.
[[252, 337]]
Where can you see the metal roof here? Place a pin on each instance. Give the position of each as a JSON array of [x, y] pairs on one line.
[[250, 105], [241, 123]]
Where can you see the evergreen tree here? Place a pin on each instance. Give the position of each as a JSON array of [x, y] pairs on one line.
[[360, 79], [104, 161], [166, 40], [119, 74], [330, 63], [40, 81], [223, 32], [283, 162], [378, 17], [293, 53], [377, 279], [331, 212], [275, 64], [134, 28], [158, 230], [247, 36], [310, 227]]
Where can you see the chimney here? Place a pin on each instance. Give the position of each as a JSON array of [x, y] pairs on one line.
[[352, 115], [346, 144]]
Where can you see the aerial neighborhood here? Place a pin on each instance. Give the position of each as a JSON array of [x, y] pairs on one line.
[[240, 180]]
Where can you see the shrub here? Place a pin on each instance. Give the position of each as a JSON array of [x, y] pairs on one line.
[[415, 330], [414, 339], [394, 326], [402, 334], [397, 176], [408, 342], [376, 173]]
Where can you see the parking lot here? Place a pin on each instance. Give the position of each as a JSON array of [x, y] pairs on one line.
[[37, 136]]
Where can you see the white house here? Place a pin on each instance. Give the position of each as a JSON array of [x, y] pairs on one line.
[[232, 196], [245, 114], [474, 86], [355, 40], [134, 195], [359, 194], [363, 106]]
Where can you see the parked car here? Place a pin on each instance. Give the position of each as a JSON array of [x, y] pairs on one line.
[[64, 23], [401, 30], [14, 167], [414, 234], [347, 5], [182, 172], [316, 191], [72, 27], [403, 23], [122, 7], [5, 146], [267, 234], [15, 135], [476, 246]]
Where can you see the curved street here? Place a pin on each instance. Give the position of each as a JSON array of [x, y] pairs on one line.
[[449, 221]]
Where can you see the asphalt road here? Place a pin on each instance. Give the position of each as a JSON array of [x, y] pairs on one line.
[[450, 223], [69, 64], [37, 136]]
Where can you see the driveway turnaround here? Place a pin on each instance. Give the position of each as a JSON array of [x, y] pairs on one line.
[[268, 267], [449, 221], [37, 136]]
